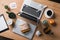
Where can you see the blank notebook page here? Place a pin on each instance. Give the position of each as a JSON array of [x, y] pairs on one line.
[[3, 24]]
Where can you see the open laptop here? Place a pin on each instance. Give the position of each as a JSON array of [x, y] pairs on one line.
[[32, 10]]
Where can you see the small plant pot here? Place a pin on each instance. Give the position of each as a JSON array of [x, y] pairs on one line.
[[45, 22], [11, 15], [7, 7]]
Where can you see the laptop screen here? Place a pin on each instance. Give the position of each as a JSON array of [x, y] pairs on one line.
[[32, 11]]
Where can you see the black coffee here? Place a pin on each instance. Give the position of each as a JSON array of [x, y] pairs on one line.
[[49, 13]]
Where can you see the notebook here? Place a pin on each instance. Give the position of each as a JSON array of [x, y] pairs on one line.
[[29, 34], [3, 24]]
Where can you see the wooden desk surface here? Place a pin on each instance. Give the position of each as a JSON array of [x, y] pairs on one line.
[[52, 5]]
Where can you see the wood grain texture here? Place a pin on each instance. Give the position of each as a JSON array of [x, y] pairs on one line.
[[52, 5]]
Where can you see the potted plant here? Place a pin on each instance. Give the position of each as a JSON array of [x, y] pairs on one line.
[[11, 15], [7, 7]]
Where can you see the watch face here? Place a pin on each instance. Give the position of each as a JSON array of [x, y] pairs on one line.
[[31, 11]]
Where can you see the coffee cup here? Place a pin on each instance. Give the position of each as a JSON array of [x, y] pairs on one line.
[[9, 22], [49, 13], [38, 33]]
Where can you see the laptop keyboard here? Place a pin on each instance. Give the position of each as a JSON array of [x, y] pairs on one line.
[[31, 11], [28, 16]]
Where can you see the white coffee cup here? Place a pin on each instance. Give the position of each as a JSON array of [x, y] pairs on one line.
[[38, 33], [9, 21], [49, 13]]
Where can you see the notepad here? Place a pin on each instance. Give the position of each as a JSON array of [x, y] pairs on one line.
[[3, 24], [17, 29]]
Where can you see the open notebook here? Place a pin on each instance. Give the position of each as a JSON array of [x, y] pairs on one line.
[[29, 34], [3, 24]]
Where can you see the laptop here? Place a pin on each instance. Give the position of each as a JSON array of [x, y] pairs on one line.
[[32, 10]]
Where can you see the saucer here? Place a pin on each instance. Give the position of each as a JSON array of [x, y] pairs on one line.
[[47, 16]]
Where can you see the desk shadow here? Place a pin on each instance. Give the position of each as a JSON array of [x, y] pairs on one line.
[[5, 38]]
